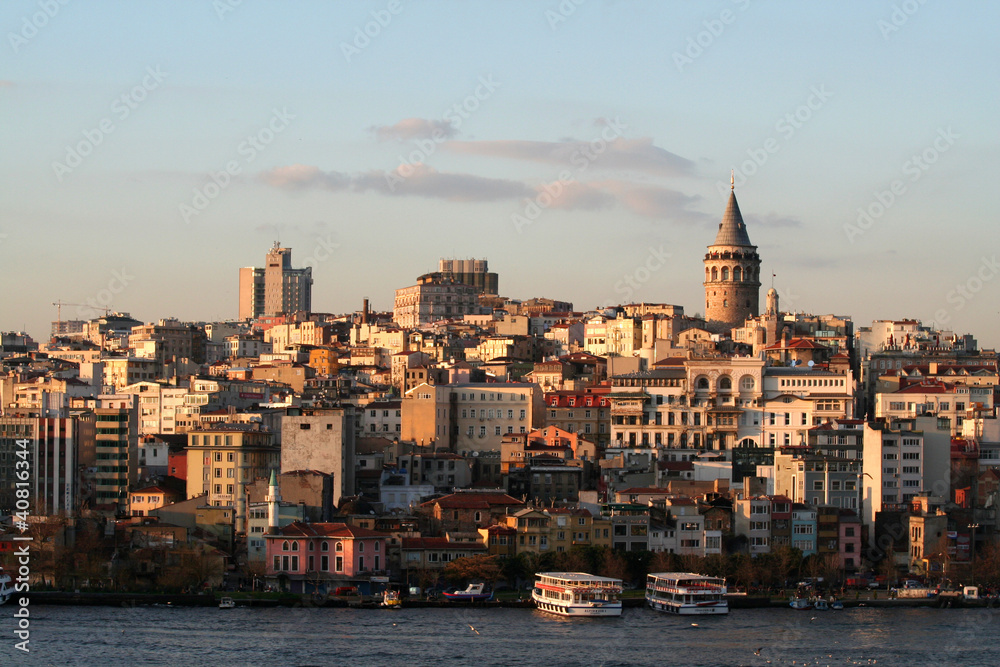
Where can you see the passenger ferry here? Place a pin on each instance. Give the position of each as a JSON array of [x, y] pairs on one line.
[[686, 593], [577, 594]]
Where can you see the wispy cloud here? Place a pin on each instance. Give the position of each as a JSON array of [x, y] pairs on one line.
[[620, 153], [417, 180], [414, 128], [772, 220]]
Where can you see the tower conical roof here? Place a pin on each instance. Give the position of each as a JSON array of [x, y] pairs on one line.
[[732, 230]]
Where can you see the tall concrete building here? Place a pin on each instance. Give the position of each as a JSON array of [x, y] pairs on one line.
[[732, 272], [275, 289], [434, 297], [473, 272], [320, 439]]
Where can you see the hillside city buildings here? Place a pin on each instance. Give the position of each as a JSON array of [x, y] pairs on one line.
[[314, 451]]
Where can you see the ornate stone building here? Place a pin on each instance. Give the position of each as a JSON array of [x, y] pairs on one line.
[[732, 272]]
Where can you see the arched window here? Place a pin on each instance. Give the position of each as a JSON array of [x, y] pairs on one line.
[[725, 382], [707, 275], [703, 383], [725, 273], [312, 546], [746, 383], [285, 546], [361, 546], [325, 546], [738, 274], [339, 547], [295, 546], [715, 273]]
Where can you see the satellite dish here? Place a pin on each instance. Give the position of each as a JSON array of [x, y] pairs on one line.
[[475, 453], [811, 363]]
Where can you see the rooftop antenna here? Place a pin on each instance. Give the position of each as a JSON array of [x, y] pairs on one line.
[[773, 275]]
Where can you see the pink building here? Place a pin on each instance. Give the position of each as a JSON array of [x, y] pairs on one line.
[[850, 540], [318, 557]]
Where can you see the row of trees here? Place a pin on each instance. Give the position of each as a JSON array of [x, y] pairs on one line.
[[772, 570]]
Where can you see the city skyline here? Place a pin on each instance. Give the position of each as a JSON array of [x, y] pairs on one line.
[[583, 149]]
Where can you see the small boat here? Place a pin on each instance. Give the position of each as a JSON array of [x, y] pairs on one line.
[[577, 594], [472, 593], [227, 603], [392, 600], [6, 589], [821, 605], [836, 604], [801, 604]]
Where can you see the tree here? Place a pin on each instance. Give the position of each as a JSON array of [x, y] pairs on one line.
[[474, 568], [614, 565]]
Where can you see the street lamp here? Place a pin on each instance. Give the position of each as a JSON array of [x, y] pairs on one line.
[[972, 552]]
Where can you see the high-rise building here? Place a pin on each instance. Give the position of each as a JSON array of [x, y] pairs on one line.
[[48, 449], [275, 289], [473, 272], [732, 272]]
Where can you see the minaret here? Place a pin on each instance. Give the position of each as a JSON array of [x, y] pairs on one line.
[[732, 271], [273, 498]]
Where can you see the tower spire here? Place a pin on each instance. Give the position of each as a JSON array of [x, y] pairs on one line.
[[732, 179]]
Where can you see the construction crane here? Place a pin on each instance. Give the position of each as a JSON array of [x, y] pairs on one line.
[[59, 304]]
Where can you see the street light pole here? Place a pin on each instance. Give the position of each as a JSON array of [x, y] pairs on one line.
[[972, 552]]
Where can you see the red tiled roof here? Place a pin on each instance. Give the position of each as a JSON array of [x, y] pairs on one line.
[[796, 344], [474, 500], [337, 530]]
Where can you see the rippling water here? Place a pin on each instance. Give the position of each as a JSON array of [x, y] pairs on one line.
[[444, 637]]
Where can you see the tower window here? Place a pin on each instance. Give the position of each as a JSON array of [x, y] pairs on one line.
[[725, 303], [738, 274], [725, 273]]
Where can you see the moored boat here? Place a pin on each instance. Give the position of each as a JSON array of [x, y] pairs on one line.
[[227, 603], [472, 593], [577, 594], [821, 605], [801, 604], [392, 600], [686, 593], [6, 587]]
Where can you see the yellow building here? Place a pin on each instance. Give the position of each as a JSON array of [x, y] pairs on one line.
[[222, 461], [142, 501]]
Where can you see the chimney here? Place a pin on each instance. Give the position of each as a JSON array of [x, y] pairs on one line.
[[364, 312]]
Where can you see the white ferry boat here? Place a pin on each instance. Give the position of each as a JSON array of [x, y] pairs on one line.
[[577, 594], [686, 593]]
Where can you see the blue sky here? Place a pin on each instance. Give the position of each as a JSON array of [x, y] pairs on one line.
[[620, 121]]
